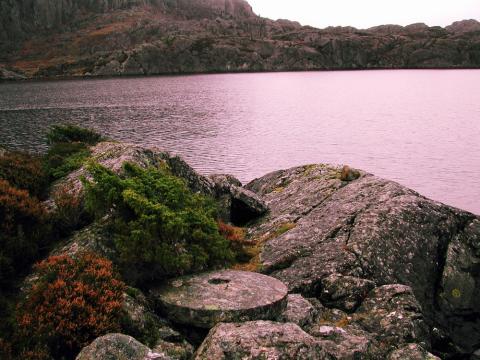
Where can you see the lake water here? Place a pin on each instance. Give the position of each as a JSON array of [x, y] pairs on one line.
[[420, 128]]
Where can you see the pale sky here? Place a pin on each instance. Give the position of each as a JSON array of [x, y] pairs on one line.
[[368, 13]]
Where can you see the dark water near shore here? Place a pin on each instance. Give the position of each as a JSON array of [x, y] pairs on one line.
[[418, 127]]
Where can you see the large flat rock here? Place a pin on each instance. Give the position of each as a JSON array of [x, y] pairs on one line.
[[222, 296], [344, 237]]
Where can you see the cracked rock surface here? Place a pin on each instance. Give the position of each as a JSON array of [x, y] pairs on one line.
[[347, 237]]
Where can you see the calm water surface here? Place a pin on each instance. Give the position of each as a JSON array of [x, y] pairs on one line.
[[418, 127]]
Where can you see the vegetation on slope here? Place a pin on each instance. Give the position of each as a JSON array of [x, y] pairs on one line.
[[158, 229]]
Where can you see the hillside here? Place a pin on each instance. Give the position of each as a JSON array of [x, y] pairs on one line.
[[134, 37]]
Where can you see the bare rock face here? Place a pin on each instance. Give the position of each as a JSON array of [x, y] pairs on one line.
[[212, 8], [394, 316], [464, 26], [260, 340], [119, 347], [344, 292], [221, 296], [299, 311], [345, 344], [346, 236]]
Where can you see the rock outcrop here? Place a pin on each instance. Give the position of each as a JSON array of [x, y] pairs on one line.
[[145, 37], [119, 347], [347, 237], [260, 340], [373, 271]]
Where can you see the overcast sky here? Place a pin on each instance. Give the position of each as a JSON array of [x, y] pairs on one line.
[[367, 13]]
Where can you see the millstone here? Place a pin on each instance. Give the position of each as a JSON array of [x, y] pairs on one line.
[[222, 296]]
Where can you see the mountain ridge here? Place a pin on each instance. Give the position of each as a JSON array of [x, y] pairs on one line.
[[47, 38]]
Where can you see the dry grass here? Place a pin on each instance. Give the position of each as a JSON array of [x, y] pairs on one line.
[[253, 248]]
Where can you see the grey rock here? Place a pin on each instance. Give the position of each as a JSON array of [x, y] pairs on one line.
[[411, 352], [375, 230], [464, 26], [389, 318], [239, 205], [176, 351], [459, 290], [393, 315], [143, 324], [260, 340], [221, 296], [299, 311], [343, 344], [118, 347], [344, 292]]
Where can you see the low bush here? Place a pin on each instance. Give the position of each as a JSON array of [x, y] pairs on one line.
[[73, 301], [24, 171], [63, 158], [160, 228], [72, 134], [23, 229], [68, 149]]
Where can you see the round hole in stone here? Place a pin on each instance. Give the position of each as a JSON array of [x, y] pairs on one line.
[[218, 281]]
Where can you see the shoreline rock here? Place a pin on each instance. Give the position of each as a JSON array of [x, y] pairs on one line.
[[348, 235], [373, 269]]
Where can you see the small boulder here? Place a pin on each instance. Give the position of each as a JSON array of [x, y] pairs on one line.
[[342, 343], [177, 351], [260, 340], [299, 311], [344, 292], [237, 205], [118, 347], [142, 323]]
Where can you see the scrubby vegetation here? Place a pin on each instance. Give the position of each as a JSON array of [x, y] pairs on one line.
[[73, 301], [68, 149], [72, 134], [24, 171], [157, 228], [160, 228], [23, 230], [28, 229]]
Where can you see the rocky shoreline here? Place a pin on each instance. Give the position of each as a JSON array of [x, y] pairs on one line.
[[373, 270]]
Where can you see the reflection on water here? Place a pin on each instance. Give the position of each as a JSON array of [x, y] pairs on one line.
[[418, 127]]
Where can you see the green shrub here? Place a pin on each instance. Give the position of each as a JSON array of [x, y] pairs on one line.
[[63, 158], [71, 134], [73, 301], [24, 171], [160, 228], [69, 149]]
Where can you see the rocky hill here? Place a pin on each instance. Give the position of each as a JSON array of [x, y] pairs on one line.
[[143, 37]]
